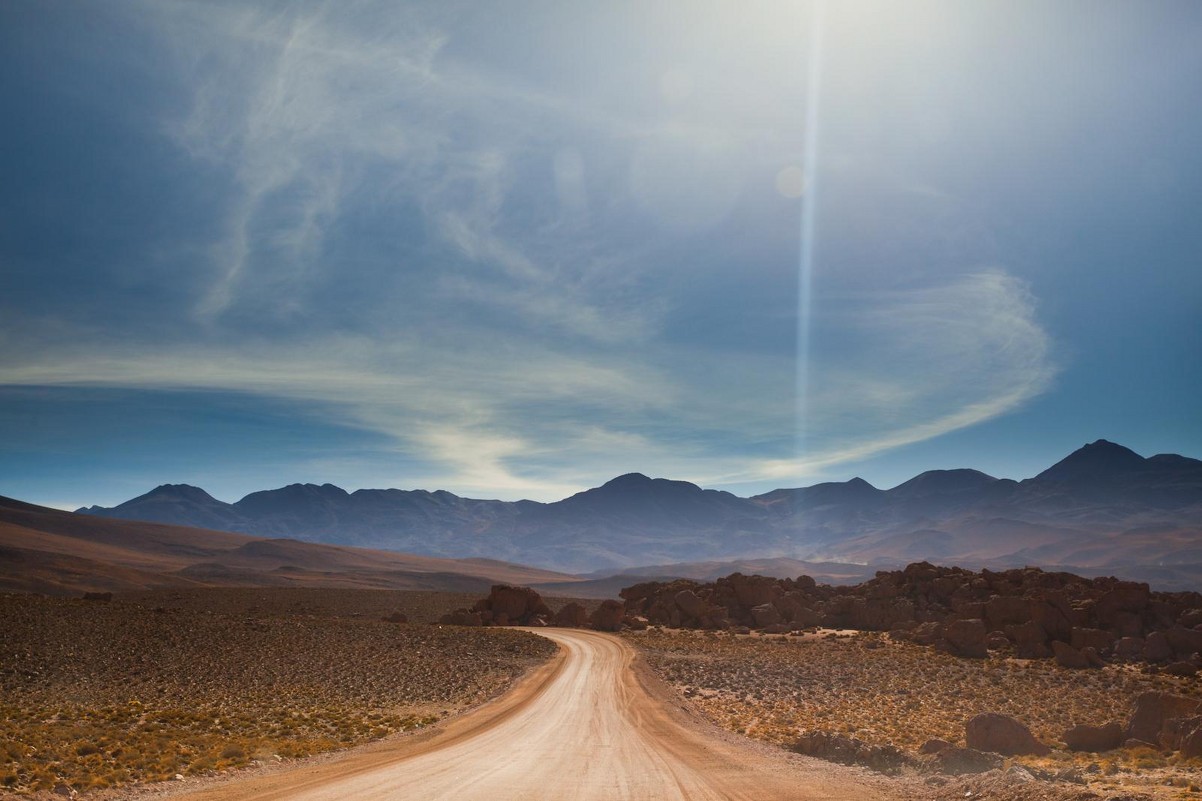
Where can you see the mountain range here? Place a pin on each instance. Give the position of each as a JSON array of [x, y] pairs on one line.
[[60, 553], [1102, 508]]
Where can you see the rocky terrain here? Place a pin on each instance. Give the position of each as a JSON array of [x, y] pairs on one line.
[[507, 605], [95, 693], [1027, 613], [866, 699]]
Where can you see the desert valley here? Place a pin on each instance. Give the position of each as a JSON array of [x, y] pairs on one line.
[[156, 658], [688, 400]]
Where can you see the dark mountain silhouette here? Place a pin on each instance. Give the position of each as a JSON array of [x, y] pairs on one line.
[[1102, 507], [62, 553]]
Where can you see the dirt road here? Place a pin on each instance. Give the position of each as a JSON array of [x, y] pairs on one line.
[[589, 725]]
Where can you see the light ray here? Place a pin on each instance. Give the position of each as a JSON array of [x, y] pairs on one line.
[[809, 211]]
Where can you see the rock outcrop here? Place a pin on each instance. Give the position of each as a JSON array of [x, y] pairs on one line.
[[1154, 711], [505, 605], [608, 616], [571, 615], [1094, 739], [852, 751], [959, 761], [1002, 734], [1027, 612]]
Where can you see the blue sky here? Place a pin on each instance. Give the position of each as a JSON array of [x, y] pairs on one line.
[[513, 250]]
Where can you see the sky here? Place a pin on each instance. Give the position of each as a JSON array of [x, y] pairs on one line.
[[514, 250]]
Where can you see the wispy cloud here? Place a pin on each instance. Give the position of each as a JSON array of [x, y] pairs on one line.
[[925, 363], [494, 273], [921, 363]]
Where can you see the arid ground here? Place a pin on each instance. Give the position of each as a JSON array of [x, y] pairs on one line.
[[105, 697], [772, 687], [97, 694]]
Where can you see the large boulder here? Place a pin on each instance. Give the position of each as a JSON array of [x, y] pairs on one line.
[[608, 616], [1094, 739], [794, 608], [1157, 647], [765, 615], [1184, 642], [1030, 640], [571, 615], [751, 591], [1052, 614], [966, 638], [519, 605], [1006, 610], [1124, 597], [1100, 640], [1184, 735], [1002, 734], [1069, 657], [1155, 709], [690, 604]]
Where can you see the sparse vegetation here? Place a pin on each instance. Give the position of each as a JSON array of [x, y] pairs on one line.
[[882, 692], [100, 694]]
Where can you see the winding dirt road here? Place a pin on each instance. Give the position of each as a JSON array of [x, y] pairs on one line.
[[589, 725]]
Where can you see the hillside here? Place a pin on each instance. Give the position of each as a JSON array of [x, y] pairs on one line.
[[54, 552]]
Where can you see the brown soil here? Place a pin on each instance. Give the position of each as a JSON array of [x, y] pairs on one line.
[[882, 692], [143, 688]]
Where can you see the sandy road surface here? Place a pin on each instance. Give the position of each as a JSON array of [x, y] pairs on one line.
[[589, 725]]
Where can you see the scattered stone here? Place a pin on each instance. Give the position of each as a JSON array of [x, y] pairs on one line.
[[102, 597], [851, 751], [959, 761]]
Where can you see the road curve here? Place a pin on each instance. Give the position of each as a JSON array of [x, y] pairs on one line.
[[587, 726]]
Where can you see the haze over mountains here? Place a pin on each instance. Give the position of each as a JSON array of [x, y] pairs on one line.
[[1104, 508], [60, 553]]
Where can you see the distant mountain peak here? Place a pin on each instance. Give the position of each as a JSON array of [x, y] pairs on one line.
[[628, 480], [182, 491], [938, 481], [639, 483], [1101, 459]]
